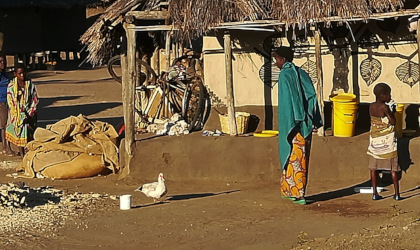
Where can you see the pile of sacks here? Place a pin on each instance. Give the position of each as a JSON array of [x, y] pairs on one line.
[[71, 148], [173, 126]]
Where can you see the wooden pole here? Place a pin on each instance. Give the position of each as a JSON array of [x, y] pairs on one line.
[[418, 43], [155, 61], [168, 50], [320, 84], [181, 49], [129, 82], [229, 86], [176, 49]]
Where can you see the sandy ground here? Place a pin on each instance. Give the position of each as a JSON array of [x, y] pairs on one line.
[[204, 214]]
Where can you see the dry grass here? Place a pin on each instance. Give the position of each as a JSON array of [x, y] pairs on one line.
[[193, 18]]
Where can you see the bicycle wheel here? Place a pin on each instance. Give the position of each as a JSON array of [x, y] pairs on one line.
[[193, 64], [146, 75], [114, 68], [188, 58], [205, 114], [193, 103], [176, 94]]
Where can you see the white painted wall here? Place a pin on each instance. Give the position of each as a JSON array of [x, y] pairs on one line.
[[249, 88]]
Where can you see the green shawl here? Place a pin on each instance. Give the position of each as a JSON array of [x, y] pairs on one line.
[[297, 107]]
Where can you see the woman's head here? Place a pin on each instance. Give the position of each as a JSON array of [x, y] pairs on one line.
[[382, 92], [281, 55]]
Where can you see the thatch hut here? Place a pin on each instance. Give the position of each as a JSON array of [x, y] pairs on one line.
[[332, 37]]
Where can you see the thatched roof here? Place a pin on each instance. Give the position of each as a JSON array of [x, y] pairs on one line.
[[193, 18], [45, 3], [102, 37], [207, 14]]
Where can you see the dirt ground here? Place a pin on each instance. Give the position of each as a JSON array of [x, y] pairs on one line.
[[207, 213]]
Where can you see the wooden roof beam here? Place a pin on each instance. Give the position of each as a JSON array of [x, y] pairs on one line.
[[150, 27], [261, 23], [148, 15], [265, 23]]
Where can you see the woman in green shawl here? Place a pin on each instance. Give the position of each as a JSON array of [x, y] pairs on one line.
[[298, 115]]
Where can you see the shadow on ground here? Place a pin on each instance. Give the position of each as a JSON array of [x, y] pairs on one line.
[[179, 197], [150, 204], [42, 82], [49, 115], [45, 102], [340, 193], [405, 195]]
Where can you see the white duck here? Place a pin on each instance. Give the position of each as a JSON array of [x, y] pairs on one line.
[[155, 189]]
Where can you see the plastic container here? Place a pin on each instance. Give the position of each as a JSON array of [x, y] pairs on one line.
[[399, 120], [344, 114], [344, 97], [125, 202]]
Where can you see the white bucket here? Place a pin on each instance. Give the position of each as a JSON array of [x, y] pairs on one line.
[[125, 202]]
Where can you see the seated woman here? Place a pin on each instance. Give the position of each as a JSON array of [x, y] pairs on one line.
[[22, 100]]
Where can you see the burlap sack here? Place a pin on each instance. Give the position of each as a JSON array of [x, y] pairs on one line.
[[71, 148]]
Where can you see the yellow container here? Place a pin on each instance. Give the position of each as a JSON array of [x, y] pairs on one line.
[[344, 97], [344, 114], [344, 118], [399, 119]]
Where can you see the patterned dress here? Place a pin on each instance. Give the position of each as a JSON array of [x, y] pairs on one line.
[[22, 111], [294, 179], [382, 145], [298, 111]]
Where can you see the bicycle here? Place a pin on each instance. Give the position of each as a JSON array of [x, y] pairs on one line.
[[147, 74], [172, 92]]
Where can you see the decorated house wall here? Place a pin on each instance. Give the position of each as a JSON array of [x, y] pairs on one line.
[[397, 66], [353, 61]]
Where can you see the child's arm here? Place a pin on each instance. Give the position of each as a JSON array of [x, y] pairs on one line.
[[389, 114]]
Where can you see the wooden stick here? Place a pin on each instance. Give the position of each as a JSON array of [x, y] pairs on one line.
[[129, 83], [320, 86], [154, 61], [124, 156], [149, 15], [263, 23], [418, 44], [176, 49], [168, 50], [229, 86]]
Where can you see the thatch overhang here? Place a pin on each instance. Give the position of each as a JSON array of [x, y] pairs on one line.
[[101, 38], [45, 3], [194, 18]]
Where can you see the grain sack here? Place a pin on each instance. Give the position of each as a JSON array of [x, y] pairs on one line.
[[71, 148]]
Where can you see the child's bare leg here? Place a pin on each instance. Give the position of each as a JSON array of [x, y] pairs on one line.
[[6, 145], [7, 149], [374, 180], [22, 151], [3, 139], [395, 181]]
